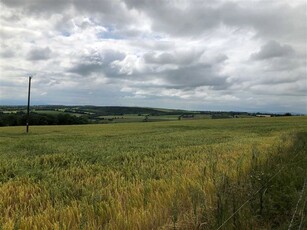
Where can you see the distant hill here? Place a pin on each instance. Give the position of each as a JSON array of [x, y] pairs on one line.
[[61, 114], [121, 110]]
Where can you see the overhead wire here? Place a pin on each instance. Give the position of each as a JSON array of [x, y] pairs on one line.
[[254, 194], [296, 207]]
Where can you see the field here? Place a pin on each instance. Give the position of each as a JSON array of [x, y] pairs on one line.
[[138, 118], [66, 115], [188, 174]]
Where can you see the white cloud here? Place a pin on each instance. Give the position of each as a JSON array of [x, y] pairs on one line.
[[185, 54]]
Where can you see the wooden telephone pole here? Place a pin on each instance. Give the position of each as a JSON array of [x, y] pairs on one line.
[[28, 109]]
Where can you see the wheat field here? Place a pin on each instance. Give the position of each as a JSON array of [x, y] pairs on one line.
[[155, 175]]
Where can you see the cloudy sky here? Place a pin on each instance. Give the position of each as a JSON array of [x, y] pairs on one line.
[[242, 55]]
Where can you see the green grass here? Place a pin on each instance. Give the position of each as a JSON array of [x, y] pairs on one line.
[[140, 118], [51, 112], [148, 175], [9, 111], [136, 118], [56, 112]]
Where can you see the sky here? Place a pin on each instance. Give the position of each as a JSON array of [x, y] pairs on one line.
[[240, 55]]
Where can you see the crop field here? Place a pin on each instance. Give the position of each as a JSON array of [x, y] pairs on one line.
[[188, 174], [139, 118]]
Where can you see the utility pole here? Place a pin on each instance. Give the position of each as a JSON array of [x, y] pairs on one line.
[[28, 110]]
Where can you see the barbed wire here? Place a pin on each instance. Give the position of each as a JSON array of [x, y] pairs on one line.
[[302, 219], [255, 193], [296, 207]]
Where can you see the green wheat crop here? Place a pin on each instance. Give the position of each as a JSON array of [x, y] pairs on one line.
[[178, 174]]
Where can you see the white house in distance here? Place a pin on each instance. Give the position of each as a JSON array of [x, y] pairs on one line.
[[263, 115]]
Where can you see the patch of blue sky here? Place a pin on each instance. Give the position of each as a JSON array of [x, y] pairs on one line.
[[65, 33], [109, 35]]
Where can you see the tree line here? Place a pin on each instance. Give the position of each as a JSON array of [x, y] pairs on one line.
[[20, 118]]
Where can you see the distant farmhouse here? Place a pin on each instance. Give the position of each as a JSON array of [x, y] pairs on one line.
[[188, 116], [263, 115]]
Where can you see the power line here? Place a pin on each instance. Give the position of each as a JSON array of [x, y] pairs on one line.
[[254, 194], [299, 200], [302, 218]]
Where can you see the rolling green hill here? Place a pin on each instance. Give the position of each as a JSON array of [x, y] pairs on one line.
[[67, 115]]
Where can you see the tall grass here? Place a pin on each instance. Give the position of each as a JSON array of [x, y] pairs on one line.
[[170, 175]]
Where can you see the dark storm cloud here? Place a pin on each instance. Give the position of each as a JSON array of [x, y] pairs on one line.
[[86, 69], [103, 12], [97, 62], [37, 54], [195, 76], [282, 79], [267, 18], [7, 53], [179, 58], [273, 49], [180, 18], [39, 7], [283, 64], [167, 18]]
